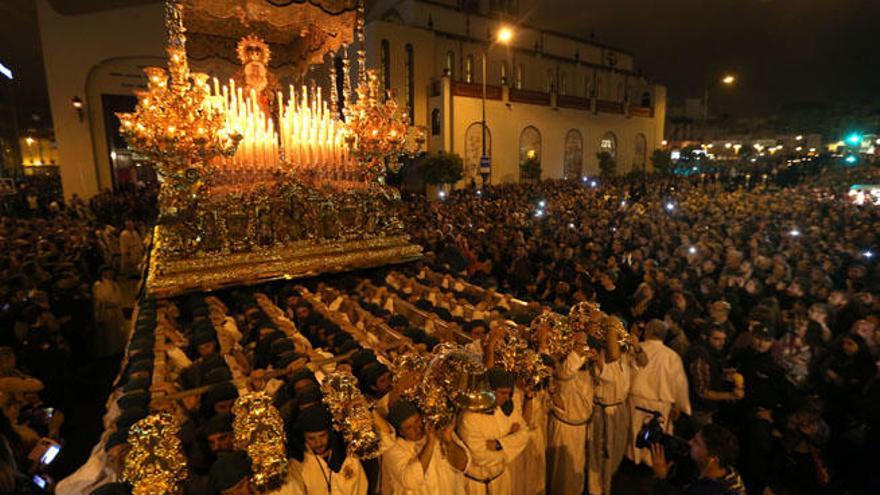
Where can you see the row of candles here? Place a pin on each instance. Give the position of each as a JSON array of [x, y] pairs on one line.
[[307, 132]]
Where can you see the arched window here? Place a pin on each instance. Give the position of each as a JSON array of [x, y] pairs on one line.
[[435, 122], [473, 149], [620, 92], [588, 86], [640, 152], [469, 69], [609, 144], [597, 90], [503, 72], [529, 151], [646, 99], [385, 63], [562, 83], [550, 78], [410, 83], [450, 64], [574, 155], [520, 73]]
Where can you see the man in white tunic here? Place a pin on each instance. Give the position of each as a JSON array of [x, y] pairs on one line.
[[661, 386], [530, 468], [420, 462], [322, 466], [572, 405], [131, 249], [494, 438], [609, 430]]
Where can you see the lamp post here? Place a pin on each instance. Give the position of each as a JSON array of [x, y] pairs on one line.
[[727, 80], [505, 34]]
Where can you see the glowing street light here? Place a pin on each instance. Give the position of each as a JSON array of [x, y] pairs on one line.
[[729, 79], [868, 254], [29, 140], [692, 250], [670, 206], [505, 35], [854, 138], [794, 232]]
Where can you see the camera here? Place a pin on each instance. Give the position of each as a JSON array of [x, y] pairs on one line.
[[652, 433]]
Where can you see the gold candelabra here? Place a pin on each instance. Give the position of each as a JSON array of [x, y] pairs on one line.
[[175, 122], [378, 129]]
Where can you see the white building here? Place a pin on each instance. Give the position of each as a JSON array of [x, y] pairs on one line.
[[558, 98], [549, 95]]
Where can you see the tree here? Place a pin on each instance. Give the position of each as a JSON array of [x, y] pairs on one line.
[[662, 161], [530, 169], [607, 164], [443, 168]]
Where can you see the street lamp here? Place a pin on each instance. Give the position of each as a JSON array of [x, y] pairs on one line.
[[503, 36], [727, 80]]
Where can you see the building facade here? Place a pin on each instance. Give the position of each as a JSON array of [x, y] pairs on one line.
[[556, 98], [549, 96]]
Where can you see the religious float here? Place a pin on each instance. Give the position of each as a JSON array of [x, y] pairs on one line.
[[260, 183]]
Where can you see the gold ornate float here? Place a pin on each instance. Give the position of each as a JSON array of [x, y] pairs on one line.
[[260, 185]]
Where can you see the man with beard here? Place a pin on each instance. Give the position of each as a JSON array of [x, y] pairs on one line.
[[705, 364], [495, 438], [320, 464], [421, 462]]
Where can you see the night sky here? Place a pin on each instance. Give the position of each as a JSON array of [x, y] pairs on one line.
[[783, 51]]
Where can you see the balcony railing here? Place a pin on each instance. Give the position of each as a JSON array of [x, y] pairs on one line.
[[475, 90], [532, 97], [575, 102]]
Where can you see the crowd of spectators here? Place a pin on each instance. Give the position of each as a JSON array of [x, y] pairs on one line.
[[758, 300], [777, 282], [61, 308]]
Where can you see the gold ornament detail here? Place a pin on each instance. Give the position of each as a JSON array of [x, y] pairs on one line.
[[351, 414], [178, 126], [259, 430], [524, 362], [155, 464], [378, 129]]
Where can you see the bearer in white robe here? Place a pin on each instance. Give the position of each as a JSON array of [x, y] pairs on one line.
[[572, 405], [530, 468], [660, 386], [421, 462], [609, 430], [495, 438], [322, 466]]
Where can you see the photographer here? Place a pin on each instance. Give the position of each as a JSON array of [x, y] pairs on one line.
[[714, 450]]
